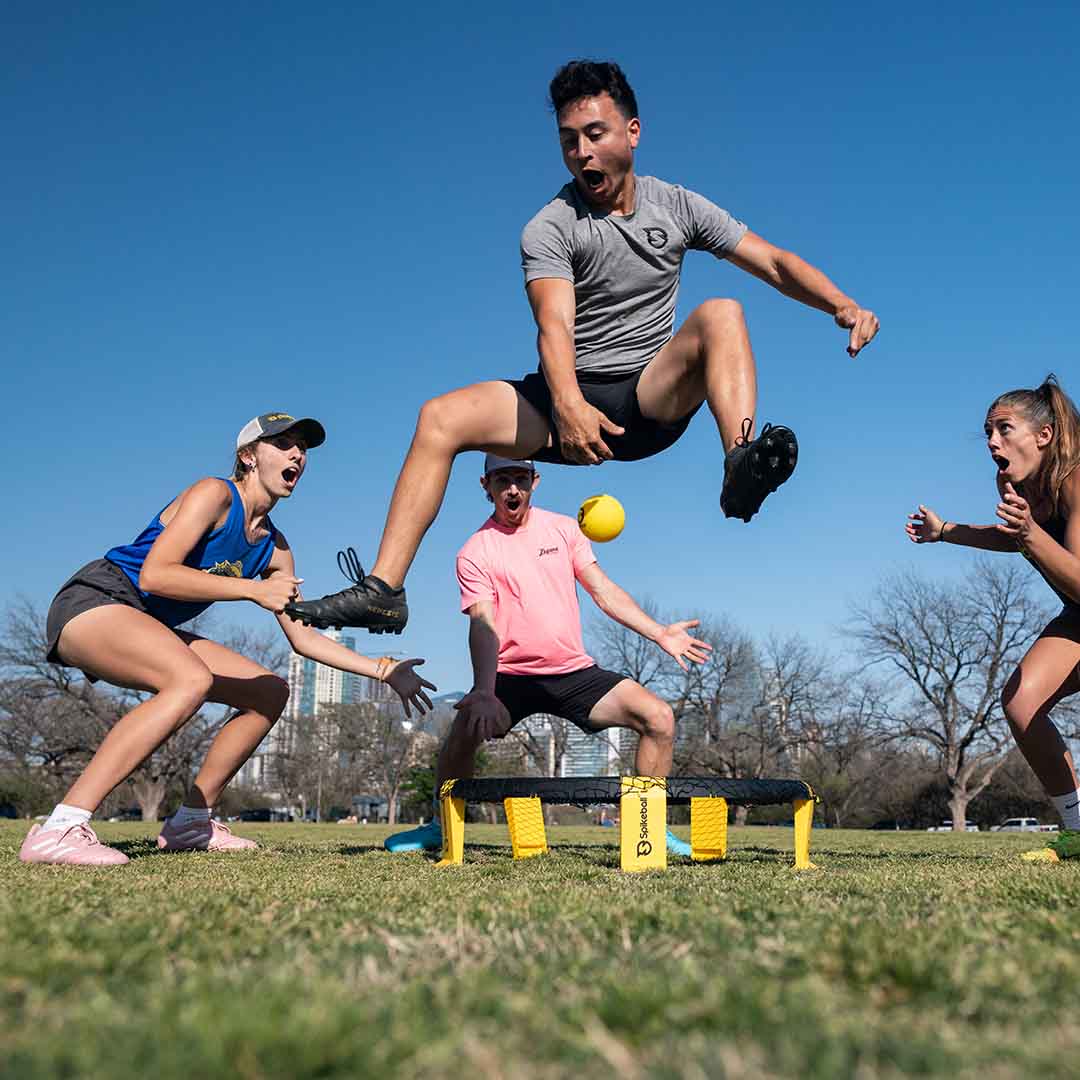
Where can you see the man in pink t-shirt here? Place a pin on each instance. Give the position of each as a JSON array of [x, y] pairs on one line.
[[518, 576]]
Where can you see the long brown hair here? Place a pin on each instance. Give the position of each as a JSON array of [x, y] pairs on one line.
[[1049, 405]]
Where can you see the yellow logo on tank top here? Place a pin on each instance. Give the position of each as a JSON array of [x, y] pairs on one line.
[[227, 569]]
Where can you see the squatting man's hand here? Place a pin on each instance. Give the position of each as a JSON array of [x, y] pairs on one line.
[[676, 642], [484, 715], [409, 686], [579, 427]]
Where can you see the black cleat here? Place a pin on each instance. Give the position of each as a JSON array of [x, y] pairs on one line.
[[369, 603], [754, 468]]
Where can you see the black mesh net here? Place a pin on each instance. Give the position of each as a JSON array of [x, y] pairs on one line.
[[585, 790]]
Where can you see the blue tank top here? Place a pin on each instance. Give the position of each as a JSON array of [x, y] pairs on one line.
[[224, 550]]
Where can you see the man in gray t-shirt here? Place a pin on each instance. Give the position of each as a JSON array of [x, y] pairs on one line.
[[616, 380]]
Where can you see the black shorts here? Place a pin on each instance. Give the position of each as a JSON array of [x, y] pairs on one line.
[[98, 583], [616, 397], [571, 696]]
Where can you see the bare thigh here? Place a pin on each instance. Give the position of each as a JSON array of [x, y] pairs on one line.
[[238, 681], [127, 648], [625, 705], [1050, 671], [489, 416], [673, 382]]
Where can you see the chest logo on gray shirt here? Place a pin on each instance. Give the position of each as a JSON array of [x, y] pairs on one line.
[[657, 237]]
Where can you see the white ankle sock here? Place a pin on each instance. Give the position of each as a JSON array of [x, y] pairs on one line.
[[187, 814], [63, 817], [1068, 806]]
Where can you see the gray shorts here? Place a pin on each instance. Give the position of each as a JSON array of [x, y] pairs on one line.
[[98, 583]]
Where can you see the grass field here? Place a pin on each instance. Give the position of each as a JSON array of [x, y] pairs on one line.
[[323, 956]]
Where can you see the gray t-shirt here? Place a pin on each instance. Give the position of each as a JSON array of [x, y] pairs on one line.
[[625, 269]]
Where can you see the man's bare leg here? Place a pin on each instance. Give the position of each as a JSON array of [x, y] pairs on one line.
[[490, 416], [710, 359]]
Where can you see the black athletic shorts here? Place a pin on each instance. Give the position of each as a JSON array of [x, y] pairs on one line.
[[571, 696], [616, 397], [98, 583]]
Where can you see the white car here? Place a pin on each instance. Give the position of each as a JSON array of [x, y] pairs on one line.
[[1017, 824], [946, 826]]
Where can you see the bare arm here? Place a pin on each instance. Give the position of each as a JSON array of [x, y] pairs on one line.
[[795, 277], [306, 641], [578, 424], [619, 605], [163, 573], [483, 645], [480, 710], [927, 527]]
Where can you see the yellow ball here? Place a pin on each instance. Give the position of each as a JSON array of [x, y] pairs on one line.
[[601, 518]]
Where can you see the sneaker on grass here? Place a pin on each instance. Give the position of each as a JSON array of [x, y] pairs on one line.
[[425, 838], [76, 845], [1066, 845], [201, 836]]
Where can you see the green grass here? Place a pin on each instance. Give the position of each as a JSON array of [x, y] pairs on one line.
[[323, 956]]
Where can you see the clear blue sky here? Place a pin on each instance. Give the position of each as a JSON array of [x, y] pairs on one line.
[[212, 211]]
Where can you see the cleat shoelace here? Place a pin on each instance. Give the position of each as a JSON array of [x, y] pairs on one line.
[[349, 565]]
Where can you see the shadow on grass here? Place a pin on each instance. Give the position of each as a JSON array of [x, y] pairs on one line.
[[364, 849]]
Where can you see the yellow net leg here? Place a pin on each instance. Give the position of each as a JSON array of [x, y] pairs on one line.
[[708, 829], [804, 819], [525, 819], [453, 831], [643, 823]]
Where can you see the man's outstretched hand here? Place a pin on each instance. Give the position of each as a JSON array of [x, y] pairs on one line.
[[676, 642]]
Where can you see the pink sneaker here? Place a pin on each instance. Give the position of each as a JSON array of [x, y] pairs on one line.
[[201, 836], [74, 846]]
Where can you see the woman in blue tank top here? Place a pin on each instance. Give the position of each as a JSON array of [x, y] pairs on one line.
[[117, 620], [1034, 439]]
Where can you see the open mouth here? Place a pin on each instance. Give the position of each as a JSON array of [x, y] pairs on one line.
[[1001, 462], [290, 475], [513, 502], [593, 178]]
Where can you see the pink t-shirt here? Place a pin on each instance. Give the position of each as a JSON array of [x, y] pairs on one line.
[[530, 576]]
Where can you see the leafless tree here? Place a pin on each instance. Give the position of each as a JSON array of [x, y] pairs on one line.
[[950, 649]]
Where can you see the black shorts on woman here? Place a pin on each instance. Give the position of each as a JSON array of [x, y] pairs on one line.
[[615, 395], [97, 584]]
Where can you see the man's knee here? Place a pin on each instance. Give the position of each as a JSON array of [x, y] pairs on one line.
[[720, 314], [437, 418], [659, 721]]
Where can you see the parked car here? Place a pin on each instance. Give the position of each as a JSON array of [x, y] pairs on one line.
[[1018, 824], [946, 826]]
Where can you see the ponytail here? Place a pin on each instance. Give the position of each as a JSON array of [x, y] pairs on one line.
[[1050, 406]]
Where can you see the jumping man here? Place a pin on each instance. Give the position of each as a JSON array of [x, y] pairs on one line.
[[602, 263]]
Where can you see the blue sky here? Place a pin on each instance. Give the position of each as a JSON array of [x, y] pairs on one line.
[[214, 211]]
